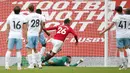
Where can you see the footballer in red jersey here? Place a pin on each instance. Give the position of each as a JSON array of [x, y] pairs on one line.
[[61, 33]]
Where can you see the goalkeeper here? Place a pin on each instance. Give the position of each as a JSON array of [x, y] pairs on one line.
[[63, 61]]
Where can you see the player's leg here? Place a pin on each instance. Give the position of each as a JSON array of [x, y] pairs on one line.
[[120, 46], [29, 47], [76, 64], [126, 45], [128, 56], [56, 47], [36, 54], [34, 57], [18, 53], [128, 51], [48, 56], [11, 43], [42, 51], [43, 43]]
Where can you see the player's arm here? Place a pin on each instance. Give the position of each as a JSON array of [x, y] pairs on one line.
[[8, 29], [25, 27], [71, 65], [45, 30], [43, 25], [51, 28], [8, 26], [67, 64], [25, 31], [41, 28], [75, 35], [108, 28], [76, 38]]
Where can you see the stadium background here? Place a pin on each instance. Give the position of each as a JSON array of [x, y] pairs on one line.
[[88, 20]]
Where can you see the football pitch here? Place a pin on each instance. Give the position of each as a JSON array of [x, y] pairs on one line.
[[66, 70]]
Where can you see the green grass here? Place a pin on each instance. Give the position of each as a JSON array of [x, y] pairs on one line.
[[66, 70]]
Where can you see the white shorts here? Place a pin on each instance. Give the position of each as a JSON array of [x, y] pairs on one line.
[[14, 42], [32, 42], [57, 44]]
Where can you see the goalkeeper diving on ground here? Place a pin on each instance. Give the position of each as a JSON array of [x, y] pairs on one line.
[[56, 61]]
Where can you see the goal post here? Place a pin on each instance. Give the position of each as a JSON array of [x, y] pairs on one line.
[[106, 34]]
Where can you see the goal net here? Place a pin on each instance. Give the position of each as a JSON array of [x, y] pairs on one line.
[[87, 20]]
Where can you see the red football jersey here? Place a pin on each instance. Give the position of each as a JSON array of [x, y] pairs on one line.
[[61, 31]]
